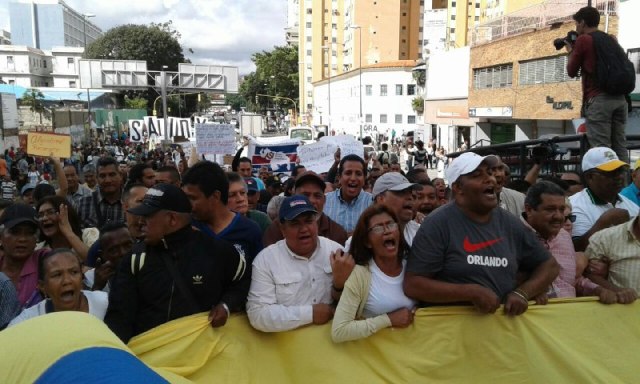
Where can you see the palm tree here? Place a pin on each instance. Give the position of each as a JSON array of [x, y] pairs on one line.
[[33, 98]]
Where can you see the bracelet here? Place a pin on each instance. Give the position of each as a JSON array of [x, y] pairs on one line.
[[520, 295], [523, 293], [336, 288]]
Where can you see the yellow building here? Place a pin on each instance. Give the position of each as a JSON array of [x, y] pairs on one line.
[[337, 36]]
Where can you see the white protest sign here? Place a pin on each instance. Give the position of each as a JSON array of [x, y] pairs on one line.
[[279, 159], [219, 139], [317, 157], [136, 127], [348, 145]]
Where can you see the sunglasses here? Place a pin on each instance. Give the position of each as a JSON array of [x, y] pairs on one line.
[[571, 218]]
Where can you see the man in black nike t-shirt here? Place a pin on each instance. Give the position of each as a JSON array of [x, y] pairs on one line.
[[470, 250]]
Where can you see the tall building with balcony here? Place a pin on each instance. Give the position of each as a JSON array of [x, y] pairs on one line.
[[44, 24], [337, 36], [293, 20]]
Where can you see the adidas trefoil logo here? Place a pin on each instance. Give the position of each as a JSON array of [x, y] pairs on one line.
[[197, 279]]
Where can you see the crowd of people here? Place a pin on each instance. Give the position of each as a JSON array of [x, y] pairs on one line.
[[139, 238]]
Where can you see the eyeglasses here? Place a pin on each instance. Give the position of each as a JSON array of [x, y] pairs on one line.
[[48, 213], [380, 228], [571, 218]]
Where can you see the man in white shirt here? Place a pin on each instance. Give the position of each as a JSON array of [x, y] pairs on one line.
[[292, 279], [600, 205]]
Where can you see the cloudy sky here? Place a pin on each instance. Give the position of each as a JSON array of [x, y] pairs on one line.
[[224, 32]]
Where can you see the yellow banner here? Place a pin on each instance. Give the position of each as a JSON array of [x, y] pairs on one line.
[[575, 341], [49, 144], [567, 341]]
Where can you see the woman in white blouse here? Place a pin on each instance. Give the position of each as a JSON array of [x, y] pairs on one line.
[[60, 278], [373, 297]]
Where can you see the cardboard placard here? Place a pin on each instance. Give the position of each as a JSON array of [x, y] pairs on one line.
[[49, 144]]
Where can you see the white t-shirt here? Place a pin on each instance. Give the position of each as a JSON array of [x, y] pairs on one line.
[[98, 302], [588, 210], [34, 177], [386, 293], [90, 279]]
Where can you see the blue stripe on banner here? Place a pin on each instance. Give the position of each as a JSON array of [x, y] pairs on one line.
[[99, 365]]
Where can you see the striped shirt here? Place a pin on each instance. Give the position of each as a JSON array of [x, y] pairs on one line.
[[622, 249], [344, 213], [561, 248]]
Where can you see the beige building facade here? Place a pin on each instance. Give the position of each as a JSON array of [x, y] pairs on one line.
[[337, 36]]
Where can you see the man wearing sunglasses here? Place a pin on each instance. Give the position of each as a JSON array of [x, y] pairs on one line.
[[544, 215], [600, 205]]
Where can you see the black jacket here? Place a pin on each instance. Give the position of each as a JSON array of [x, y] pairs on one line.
[[145, 295]]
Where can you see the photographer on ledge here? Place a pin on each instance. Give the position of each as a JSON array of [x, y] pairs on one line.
[[605, 112]]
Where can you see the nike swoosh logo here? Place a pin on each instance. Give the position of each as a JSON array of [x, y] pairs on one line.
[[474, 247]]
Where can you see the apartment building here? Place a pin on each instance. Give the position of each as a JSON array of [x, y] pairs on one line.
[[293, 20], [25, 66], [337, 36], [66, 66]]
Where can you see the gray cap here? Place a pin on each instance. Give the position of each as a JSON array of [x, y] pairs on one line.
[[391, 181]]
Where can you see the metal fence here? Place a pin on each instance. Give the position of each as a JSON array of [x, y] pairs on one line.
[[561, 153], [533, 18]]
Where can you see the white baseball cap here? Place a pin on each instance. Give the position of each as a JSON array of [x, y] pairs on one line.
[[464, 164], [602, 158]]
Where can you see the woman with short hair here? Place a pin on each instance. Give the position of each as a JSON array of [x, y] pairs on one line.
[[60, 278]]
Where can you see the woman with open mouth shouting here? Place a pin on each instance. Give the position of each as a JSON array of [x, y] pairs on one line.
[[60, 278], [373, 297], [60, 227]]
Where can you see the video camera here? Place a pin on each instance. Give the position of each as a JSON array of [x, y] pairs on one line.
[[570, 39]]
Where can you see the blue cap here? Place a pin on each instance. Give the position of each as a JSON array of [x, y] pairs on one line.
[[252, 185], [294, 206]]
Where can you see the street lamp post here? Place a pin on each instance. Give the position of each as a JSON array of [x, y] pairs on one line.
[[84, 30], [328, 49], [360, 75]]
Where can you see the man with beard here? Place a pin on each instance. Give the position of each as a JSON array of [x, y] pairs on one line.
[[174, 273], [345, 205], [600, 205], [469, 251]]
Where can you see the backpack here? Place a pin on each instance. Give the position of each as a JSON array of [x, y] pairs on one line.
[[615, 74]]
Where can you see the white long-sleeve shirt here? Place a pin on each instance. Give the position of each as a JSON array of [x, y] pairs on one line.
[[285, 286]]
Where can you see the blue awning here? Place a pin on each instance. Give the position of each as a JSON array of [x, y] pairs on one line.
[[53, 94]]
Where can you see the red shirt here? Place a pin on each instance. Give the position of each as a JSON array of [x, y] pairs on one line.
[[583, 57]]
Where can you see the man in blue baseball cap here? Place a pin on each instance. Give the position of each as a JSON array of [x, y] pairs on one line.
[[292, 279]]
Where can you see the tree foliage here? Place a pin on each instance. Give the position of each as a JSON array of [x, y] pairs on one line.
[[235, 100], [276, 74], [157, 44], [33, 98], [135, 103], [418, 104]]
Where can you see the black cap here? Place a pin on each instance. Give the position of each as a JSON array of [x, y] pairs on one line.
[[162, 196], [273, 180], [310, 177], [17, 214]]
